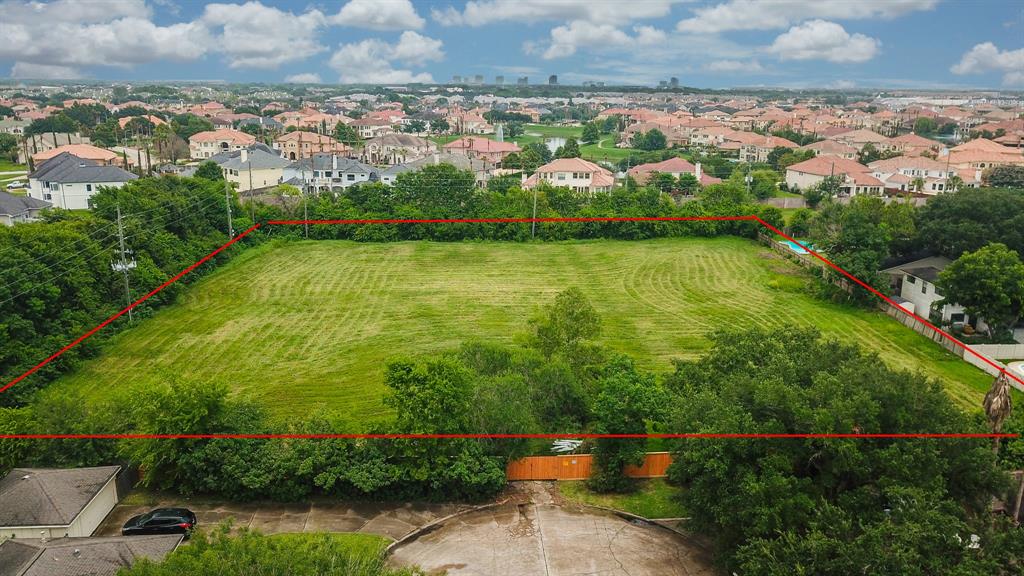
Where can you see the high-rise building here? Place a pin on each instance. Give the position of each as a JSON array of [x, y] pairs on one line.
[[523, 81], [662, 83], [478, 79], [553, 80], [499, 80], [673, 82], [456, 79]]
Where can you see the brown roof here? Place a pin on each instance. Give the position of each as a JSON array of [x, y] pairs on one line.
[[87, 151], [828, 165], [235, 136], [49, 497]]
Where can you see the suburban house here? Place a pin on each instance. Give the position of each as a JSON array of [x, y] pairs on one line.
[[372, 127], [302, 144], [582, 176], [13, 126], [392, 149], [483, 148], [832, 148], [263, 123], [86, 151], [154, 120], [861, 138], [42, 142], [328, 173], [481, 169], [252, 168], [81, 556], [204, 145], [15, 209], [67, 181], [915, 281], [902, 172], [755, 147], [56, 503], [979, 154], [675, 166], [856, 177]]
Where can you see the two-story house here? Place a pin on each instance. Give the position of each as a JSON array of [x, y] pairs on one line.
[[203, 145], [301, 144], [328, 173], [392, 149], [580, 175], [68, 181], [252, 168]]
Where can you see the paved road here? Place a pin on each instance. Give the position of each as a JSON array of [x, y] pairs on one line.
[[528, 539], [391, 520]]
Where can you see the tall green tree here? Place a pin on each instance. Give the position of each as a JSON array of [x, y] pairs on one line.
[[988, 283]]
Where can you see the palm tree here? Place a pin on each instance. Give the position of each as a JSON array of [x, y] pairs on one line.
[[954, 183], [998, 406], [917, 184]]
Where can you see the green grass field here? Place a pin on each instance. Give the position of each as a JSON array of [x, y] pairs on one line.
[[311, 324], [652, 499]]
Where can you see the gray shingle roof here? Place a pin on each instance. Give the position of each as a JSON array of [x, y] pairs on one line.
[[49, 497], [460, 161], [258, 157], [326, 162], [81, 556], [12, 205], [66, 167]]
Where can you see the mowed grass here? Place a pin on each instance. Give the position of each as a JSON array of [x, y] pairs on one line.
[[652, 499], [311, 324]]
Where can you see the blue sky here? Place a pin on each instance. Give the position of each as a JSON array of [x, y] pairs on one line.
[[708, 43]]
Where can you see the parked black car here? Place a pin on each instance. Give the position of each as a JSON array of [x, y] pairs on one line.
[[161, 521]]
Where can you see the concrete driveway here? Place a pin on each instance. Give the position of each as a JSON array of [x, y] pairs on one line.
[[394, 520], [528, 539]]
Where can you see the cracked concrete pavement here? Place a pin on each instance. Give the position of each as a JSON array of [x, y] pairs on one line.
[[526, 538], [393, 520]]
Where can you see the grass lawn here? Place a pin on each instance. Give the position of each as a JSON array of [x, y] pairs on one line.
[[8, 166], [653, 498], [309, 324]]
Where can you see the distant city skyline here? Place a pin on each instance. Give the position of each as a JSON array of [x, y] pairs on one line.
[[923, 44]]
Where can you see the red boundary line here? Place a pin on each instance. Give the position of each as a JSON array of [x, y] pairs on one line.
[[748, 218]]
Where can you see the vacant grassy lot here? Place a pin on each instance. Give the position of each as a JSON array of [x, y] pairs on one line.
[[309, 324]]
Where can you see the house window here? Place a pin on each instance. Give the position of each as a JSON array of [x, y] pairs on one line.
[[957, 318], [329, 174], [924, 287], [47, 196], [561, 175], [351, 177], [911, 279], [88, 187]]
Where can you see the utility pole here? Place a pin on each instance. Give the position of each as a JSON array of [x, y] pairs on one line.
[[227, 202], [123, 265]]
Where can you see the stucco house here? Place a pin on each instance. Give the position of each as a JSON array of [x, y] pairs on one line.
[[916, 285], [252, 168], [56, 503], [301, 144], [483, 148], [675, 166], [203, 145], [582, 176], [856, 178], [392, 149]]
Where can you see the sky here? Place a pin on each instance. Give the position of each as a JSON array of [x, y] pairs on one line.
[[705, 43]]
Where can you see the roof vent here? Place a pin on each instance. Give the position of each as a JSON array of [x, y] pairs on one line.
[[26, 476], [77, 553]]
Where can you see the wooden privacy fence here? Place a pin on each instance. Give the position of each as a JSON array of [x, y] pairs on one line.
[[577, 467]]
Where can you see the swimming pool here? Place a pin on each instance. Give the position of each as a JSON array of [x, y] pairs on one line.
[[796, 247]]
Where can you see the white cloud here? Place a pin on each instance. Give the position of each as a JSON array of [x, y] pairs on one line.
[[843, 84], [482, 12], [986, 57], [304, 78], [768, 15], [565, 40], [122, 42], [373, 61], [74, 11], [257, 36], [733, 66], [379, 15], [43, 72], [821, 40]]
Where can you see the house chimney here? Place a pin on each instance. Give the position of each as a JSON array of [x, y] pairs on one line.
[[696, 171], [245, 155], [334, 161]]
